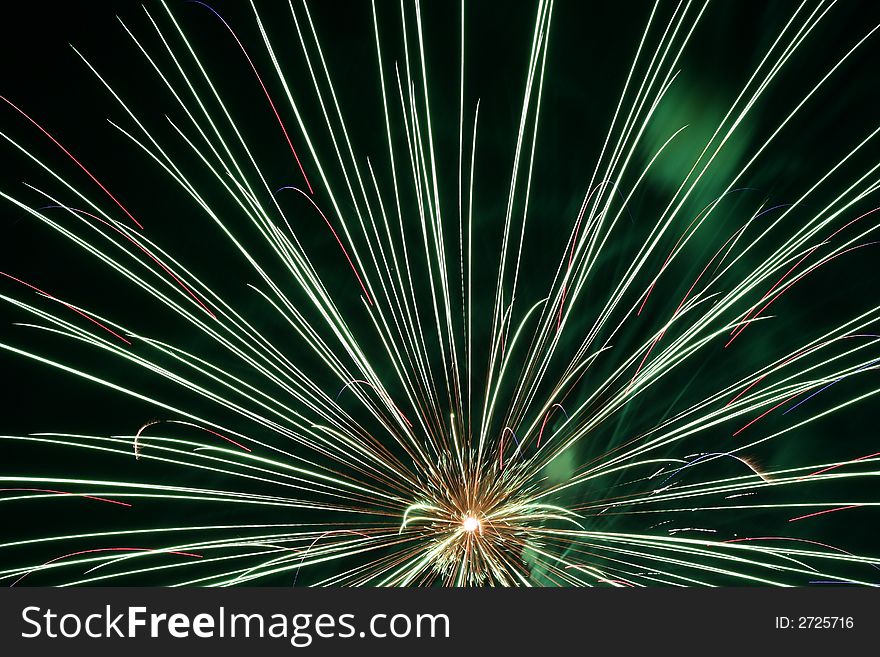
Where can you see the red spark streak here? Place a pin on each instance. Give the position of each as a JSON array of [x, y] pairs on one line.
[[152, 257], [761, 378], [544, 423], [615, 581], [669, 257], [751, 312], [786, 289], [797, 354], [67, 305], [739, 329], [338, 241], [265, 91], [785, 538], [574, 240], [186, 424], [644, 358], [78, 163], [230, 440], [63, 492], [111, 549], [769, 410], [684, 299], [840, 465], [820, 513]]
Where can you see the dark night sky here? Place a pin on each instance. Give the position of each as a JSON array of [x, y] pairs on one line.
[[591, 47]]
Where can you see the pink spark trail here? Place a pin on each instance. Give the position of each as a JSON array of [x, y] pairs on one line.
[[338, 240], [547, 417], [186, 424], [768, 411], [148, 253], [840, 465], [66, 305], [265, 91], [767, 294], [110, 549], [64, 492], [78, 163], [821, 513]]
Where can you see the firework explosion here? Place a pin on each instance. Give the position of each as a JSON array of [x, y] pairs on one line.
[[384, 377]]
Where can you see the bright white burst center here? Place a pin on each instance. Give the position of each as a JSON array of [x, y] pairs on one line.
[[471, 524]]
